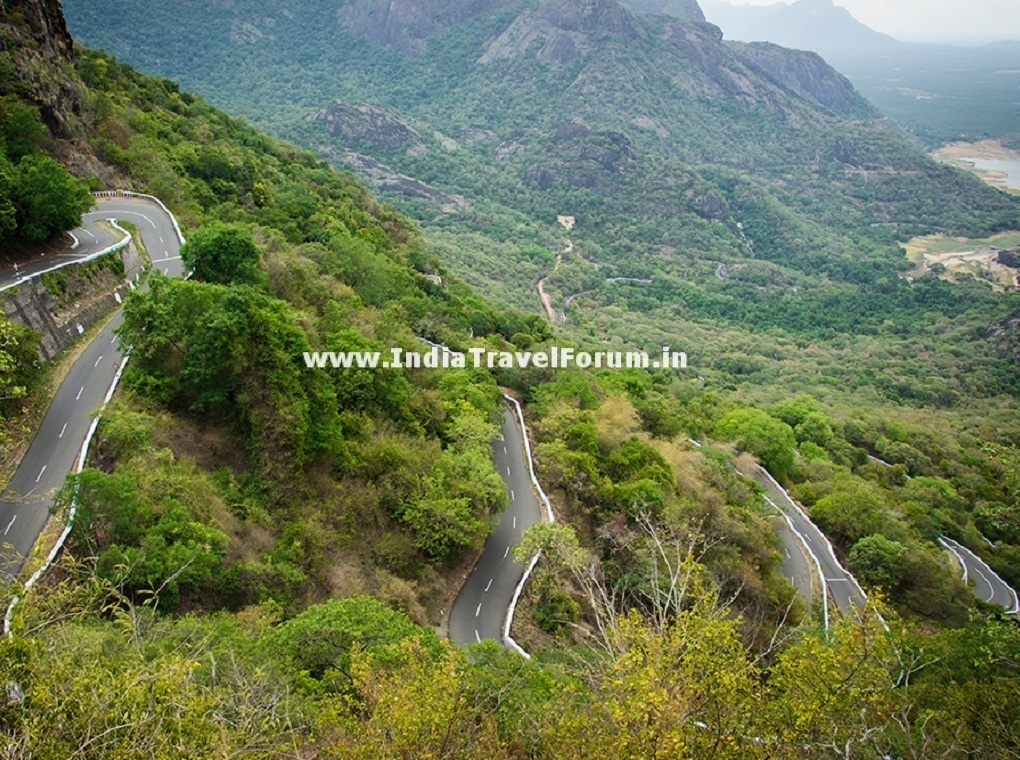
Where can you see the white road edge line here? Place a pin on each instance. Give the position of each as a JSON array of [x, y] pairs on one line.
[[978, 561], [956, 554], [508, 622]]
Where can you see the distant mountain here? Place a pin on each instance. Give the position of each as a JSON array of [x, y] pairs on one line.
[[818, 25], [940, 92]]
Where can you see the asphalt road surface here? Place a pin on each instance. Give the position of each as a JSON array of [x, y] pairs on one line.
[[91, 240], [25, 503], [841, 585], [796, 566], [480, 608], [987, 584]]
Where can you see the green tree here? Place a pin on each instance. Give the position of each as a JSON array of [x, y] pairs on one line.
[[875, 561], [816, 429], [20, 128], [850, 513], [48, 199], [321, 637], [8, 210], [769, 439], [222, 253], [445, 526], [9, 388]]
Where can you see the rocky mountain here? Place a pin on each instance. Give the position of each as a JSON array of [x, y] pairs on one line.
[[803, 73], [672, 147], [940, 92]]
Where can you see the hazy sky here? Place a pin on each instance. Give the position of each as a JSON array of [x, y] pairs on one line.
[[934, 20]]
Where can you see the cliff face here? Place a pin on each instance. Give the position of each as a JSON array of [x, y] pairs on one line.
[[61, 319], [35, 39], [42, 21], [804, 74]]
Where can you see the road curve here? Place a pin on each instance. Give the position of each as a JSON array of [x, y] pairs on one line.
[[481, 606], [840, 584], [987, 583], [89, 240], [25, 503]]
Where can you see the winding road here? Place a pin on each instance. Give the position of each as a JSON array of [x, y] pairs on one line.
[[89, 240], [987, 583], [25, 503], [839, 584], [481, 606]]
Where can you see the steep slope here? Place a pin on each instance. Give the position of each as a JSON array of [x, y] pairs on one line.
[[408, 26], [234, 485], [275, 460]]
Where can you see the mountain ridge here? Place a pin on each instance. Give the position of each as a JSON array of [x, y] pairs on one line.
[[942, 93]]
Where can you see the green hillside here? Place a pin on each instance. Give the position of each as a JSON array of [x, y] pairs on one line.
[[674, 152]]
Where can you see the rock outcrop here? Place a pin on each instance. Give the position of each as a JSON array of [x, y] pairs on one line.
[[560, 32], [367, 122], [90, 292], [805, 75], [385, 179], [43, 20]]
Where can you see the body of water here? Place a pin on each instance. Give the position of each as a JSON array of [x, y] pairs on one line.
[[1011, 168]]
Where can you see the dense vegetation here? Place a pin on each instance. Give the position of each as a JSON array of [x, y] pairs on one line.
[[258, 543], [102, 677], [38, 197]]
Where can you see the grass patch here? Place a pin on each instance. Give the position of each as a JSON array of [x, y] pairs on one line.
[[934, 244]]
